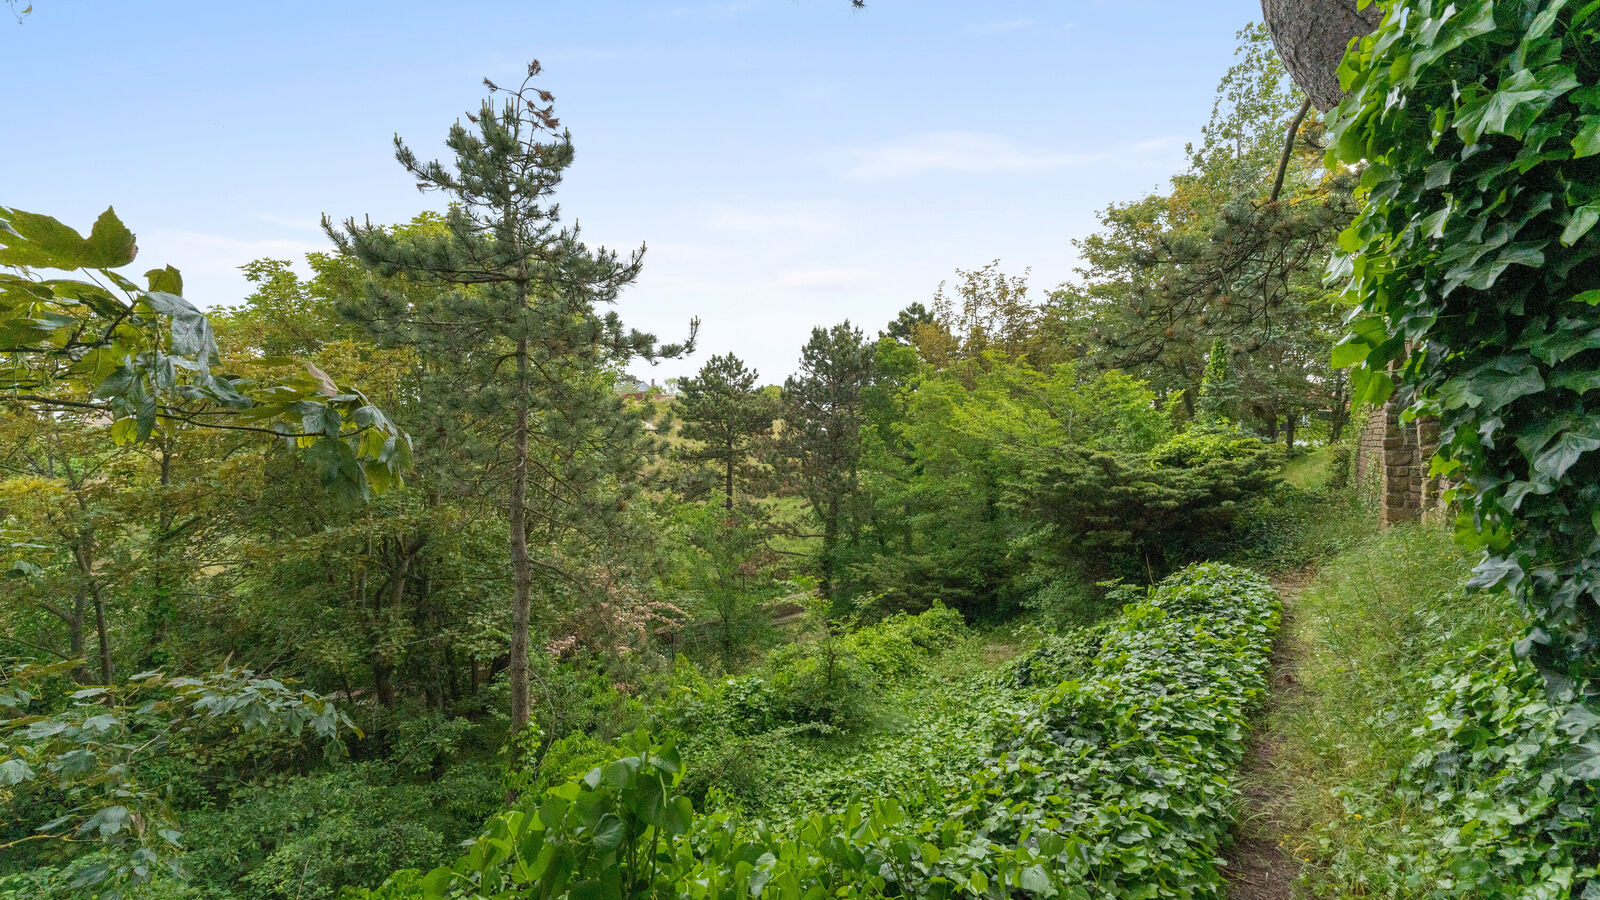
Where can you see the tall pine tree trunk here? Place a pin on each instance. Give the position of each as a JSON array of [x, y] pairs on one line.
[[830, 541], [521, 565], [1311, 37]]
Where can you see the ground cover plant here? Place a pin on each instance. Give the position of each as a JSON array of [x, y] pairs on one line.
[[1114, 784]]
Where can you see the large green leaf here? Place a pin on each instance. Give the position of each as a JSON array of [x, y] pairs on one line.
[[1562, 455], [1587, 141], [1583, 219], [41, 242]]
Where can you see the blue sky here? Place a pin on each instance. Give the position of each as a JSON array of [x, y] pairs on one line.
[[789, 163]]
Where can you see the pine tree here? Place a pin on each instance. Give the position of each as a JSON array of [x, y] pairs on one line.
[[510, 328], [905, 326], [726, 415], [823, 413]]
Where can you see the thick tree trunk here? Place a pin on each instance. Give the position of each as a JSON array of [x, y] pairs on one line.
[[383, 682], [1312, 36]]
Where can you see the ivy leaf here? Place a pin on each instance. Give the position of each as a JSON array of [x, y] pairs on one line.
[[1365, 334], [1554, 462], [1583, 218], [1490, 389], [1587, 140], [1495, 571], [1521, 99], [1581, 382]]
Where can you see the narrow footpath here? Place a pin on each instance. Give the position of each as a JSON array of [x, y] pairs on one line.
[[1259, 866]]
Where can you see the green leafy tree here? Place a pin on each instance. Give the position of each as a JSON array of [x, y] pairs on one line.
[[986, 310], [1234, 251], [905, 326], [723, 571], [137, 357], [1216, 384], [515, 317], [80, 757]]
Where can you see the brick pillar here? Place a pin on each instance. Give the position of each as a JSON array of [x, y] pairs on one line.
[[1392, 460]]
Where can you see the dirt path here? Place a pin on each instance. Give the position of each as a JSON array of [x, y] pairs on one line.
[[1258, 866]]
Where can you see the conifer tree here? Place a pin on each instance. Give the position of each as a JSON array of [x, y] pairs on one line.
[[726, 415], [823, 413], [510, 327], [905, 326]]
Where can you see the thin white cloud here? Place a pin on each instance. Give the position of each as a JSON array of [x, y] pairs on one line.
[[1001, 27], [809, 219], [962, 152], [821, 279], [305, 224]]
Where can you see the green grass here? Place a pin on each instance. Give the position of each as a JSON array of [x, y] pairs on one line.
[[1363, 636], [1418, 757], [1310, 471]]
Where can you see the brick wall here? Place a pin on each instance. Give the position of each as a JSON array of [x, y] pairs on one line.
[[1392, 459]]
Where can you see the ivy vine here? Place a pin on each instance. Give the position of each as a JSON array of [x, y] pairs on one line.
[[1475, 269]]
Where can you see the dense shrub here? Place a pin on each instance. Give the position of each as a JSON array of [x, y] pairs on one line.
[[1065, 601], [1141, 515], [1294, 528], [308, 837]]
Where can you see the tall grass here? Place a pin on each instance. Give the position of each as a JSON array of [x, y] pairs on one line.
[[1419, 758]]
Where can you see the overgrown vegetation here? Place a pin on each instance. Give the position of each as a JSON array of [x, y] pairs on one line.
[[1423, 759], [1474, 264], [949, 612], [1059, 811]]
